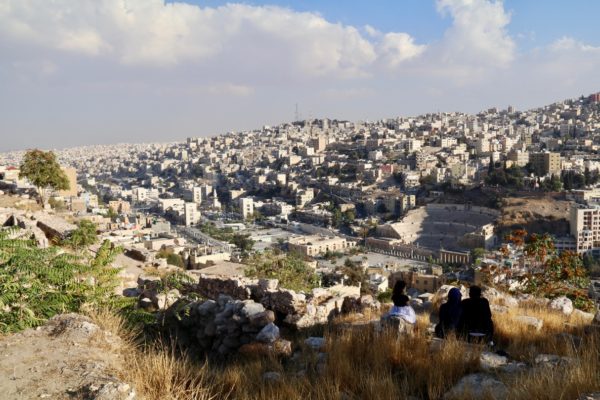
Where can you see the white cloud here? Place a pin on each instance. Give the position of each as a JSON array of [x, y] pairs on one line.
[[152, 33], [395, 48], [567, 43], [478, 34], [116, 66]]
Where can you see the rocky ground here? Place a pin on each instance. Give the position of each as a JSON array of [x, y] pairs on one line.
[[535, 214], [68, 358]]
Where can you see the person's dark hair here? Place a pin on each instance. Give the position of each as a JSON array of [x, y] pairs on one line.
[[401, 300], [399, 287], [398, 290], [474, 292]]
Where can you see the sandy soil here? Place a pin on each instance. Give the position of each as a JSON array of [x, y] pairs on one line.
[[68, 358]]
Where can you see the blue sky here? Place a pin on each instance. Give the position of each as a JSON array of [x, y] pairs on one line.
[[533, 22], [78, 72]]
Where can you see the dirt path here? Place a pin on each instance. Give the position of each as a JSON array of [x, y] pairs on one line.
[[68, 358]]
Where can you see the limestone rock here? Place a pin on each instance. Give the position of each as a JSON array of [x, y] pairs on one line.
[[268, 334], [478, 386], [532, 322], [562, 304], [582, 315], [590, 396], [490, 361], [552, 360]]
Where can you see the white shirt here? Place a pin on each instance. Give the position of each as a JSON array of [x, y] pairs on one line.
[[406, 313]]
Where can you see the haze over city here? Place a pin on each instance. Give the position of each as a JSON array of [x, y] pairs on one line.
[[95, 72]]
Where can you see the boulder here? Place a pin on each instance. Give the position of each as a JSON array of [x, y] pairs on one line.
[[590, 396], [268, 284], [109, 391], [268, 334], [552, 360], [583, 316], [532, 322], [597, 318], [562, 304], [495, 308], [251, 309], [490, 361], [262, 318], [315, 343], [478, 386]]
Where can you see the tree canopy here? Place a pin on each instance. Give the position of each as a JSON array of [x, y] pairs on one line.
[[84, 235], [43, 171]]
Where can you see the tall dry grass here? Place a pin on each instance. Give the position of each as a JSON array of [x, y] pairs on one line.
[[363, 363], [157, 371]]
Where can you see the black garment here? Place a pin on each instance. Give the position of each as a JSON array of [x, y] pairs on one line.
[[476, 318], [450, 314]]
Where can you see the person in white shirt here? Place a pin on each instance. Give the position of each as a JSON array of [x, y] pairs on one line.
[[402, 309]]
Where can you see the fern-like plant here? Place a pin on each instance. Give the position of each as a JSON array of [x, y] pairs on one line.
[[36, 283]]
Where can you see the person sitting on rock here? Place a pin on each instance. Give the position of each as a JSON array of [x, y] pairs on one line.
[[476, 319], [450, 313], [401, 316]]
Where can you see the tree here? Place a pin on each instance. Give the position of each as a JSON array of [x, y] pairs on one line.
[[176, 260], [291, 270], [243, 242], [477, 253], [44, 172], [84, 235]]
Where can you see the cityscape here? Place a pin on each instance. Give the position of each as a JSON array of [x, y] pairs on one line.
[[440, 255]]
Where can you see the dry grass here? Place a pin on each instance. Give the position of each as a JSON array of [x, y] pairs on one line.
[[157, 371], [363, 363]]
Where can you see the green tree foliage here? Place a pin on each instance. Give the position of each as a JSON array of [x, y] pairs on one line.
[[385, 296], [508, 177], [553, 184], [477, 253], [36, 284], [176, 260], [44, 172], [84, 235], [553, 274], [242, 241], [355, 275], [291, 270], [172, 258], [56, 204]]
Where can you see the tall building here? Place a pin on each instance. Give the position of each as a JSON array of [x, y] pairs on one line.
[[319, 143], [545, 163], [71, 174], [246, 205], [191, 214], [585, 228], [518, 157], [139, 194], [197, 195]]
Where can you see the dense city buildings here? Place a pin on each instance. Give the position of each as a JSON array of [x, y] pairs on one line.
[[322, 186]]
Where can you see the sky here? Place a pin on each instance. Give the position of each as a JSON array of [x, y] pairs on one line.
[[78, 72]]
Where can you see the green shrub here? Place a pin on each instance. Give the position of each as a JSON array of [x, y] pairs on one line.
[[36, 284]]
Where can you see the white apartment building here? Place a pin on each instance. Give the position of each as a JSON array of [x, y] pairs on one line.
[[585, 228], [246, 205], [304, 197], [191, 214]]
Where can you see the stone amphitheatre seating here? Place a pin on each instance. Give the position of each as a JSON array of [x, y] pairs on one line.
[[439, 225]]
